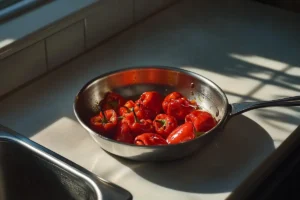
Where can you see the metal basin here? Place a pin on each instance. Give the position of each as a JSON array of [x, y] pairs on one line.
[[30, 171]]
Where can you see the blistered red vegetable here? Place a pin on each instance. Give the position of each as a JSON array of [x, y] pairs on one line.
[[151, 100], [178, 106], [105, 123], [140, 110], [183, 133], [149, 139], [138, 126], [123, 133], [202, 120], [164, 124], [126, 108], [113, 101], [151, 119]]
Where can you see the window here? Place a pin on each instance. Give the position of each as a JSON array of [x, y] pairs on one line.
[[13, 8]]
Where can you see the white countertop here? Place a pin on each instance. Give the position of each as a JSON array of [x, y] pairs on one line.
[[249, 49]]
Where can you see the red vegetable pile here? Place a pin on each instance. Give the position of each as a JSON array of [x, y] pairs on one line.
[[152, 119]]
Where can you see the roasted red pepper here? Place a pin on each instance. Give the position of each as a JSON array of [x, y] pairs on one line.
[[183, 133], [105, 123], [149, 139], [113, 101], [173, 95], [123, 133], [164, 124], [127, 108], [202, 121], [178, 106], [140, 110], [151, 100], [138, 126], [144, 113]]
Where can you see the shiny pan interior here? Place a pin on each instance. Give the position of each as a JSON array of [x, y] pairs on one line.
[[131, 83]]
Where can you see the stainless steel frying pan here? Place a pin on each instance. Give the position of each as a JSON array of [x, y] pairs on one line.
[[134, 81]]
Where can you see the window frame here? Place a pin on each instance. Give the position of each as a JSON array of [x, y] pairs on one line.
[[14, 8]]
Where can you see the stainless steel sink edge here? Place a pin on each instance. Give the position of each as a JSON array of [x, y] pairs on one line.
[[103, 188]]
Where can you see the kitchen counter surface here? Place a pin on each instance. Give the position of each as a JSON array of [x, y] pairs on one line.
[[251, 50]]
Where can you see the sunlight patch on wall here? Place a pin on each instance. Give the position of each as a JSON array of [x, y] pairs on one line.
[[260, 61], [6, 42], [261, 75], [294, 71], [228, 83]]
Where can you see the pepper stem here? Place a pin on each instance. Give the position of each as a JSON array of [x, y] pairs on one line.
[[197, 133], [104, 117], [120, 118], [163, 122], [128, 110], [114, 104], [135, 117]]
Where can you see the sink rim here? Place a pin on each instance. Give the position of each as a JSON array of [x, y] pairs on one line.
[[6, 134]]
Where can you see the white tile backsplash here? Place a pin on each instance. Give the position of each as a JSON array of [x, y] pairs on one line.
[[168, 2], [104, 19], [65, 44], [22, 67], [144, 8], [107, 19]]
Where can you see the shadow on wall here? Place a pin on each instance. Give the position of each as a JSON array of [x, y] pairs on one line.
[[290, 5]]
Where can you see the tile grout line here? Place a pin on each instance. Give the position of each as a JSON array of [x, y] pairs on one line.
[[84, 33], [46, 55], [133, 11]]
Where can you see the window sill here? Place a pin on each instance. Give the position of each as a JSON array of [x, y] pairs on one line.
[[39, 23]]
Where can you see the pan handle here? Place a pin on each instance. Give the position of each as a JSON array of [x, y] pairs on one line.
[[238, 108]]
